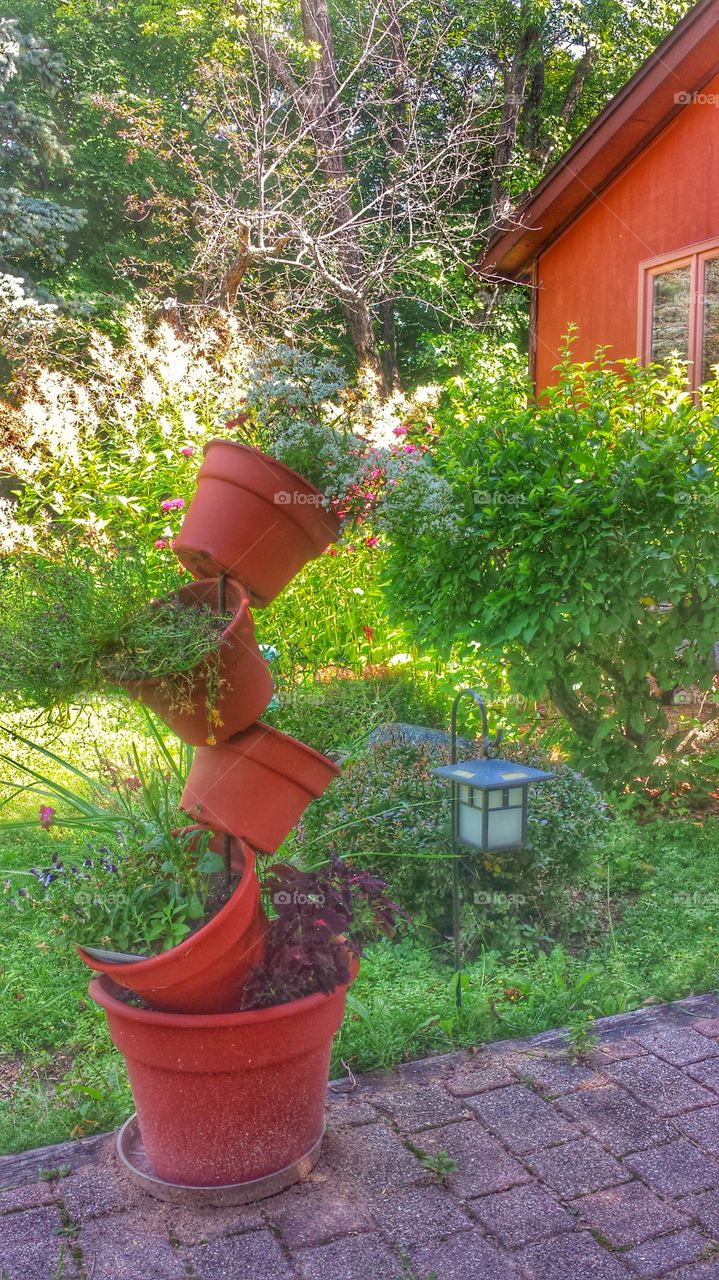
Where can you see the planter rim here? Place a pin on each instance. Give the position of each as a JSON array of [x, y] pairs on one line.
[[178, 952], [287, 738], [260, 453], [100, 992]]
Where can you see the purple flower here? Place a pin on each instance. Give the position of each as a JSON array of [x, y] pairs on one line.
[[47, 815], [172, 504]]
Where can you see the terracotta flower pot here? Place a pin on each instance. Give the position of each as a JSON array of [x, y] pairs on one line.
[[253, 518], [256, 786], [245, 687], [206, 972], [226, 1098]]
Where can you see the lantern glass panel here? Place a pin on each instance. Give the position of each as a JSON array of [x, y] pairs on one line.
[[470, 824], [465, 793], [505, 828]]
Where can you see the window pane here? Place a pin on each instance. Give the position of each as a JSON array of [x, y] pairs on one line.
[[670, 314], [710, 300]]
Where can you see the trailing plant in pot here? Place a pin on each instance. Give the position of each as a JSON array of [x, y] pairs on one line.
[[296, 465], [73, 622]]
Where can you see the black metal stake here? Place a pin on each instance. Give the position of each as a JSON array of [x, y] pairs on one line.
[[487, 742], [226, 839]]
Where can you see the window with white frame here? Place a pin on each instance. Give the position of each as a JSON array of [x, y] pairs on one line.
[[679, 309]]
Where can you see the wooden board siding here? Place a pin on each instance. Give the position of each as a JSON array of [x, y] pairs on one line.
[[668, 199]]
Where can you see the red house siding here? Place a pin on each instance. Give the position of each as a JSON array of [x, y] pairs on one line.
[[666, 200]]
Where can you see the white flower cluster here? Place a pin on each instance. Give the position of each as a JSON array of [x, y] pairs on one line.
[[416, 501], [301, 423], [282, 378], [347, 445]]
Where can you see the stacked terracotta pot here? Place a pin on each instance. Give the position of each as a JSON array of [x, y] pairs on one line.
[[226, 1099]]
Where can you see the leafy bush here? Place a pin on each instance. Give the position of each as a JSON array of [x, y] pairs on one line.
[[335, 713], [589, 523], [391, 815]]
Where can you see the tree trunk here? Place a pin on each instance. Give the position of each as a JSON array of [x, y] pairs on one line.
[[388, 331], [515, 84], [396, 141], [566, 702], [327, 136]]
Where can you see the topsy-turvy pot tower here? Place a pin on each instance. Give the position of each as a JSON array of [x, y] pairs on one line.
[[230, 1105]]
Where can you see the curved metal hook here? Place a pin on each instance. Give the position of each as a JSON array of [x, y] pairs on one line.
[[488, 744]]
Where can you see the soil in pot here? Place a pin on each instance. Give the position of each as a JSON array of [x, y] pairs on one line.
[[222, 693], [253, 518], [205, 973], [257, 785], [227, 1098]]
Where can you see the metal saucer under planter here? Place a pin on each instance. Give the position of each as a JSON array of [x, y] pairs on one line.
[[131, 1154]]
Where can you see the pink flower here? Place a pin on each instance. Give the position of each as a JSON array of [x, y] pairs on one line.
[[410, 448], [172, 504], [187, 451], [351, 546], [133, 783], [161, 544], [333, 551], [47, 816], [371, 542], [399, 431]]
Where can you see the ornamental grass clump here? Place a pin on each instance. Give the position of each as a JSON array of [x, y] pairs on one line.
[[144, 882]]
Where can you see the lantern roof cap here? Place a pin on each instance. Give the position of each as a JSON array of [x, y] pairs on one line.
[[491, 774]]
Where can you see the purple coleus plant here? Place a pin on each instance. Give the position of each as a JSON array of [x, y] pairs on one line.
[[322, 919]]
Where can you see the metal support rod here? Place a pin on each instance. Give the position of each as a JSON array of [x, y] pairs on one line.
[[488, 745], [226, 839]]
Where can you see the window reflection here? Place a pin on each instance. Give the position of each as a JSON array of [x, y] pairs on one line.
[[710, 300], [670, 314]]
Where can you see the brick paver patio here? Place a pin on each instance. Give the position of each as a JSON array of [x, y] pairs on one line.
[[603, 1169]]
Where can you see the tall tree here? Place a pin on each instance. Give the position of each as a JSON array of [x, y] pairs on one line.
[[33, 227]]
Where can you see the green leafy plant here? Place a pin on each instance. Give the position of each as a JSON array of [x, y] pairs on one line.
[[392, 815], [582, 1036], [440, 1164], [585, 558]]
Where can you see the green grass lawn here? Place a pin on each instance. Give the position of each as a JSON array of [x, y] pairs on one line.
[[652, 936]]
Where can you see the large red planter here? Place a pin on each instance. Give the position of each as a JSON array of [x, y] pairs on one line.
[[253, 518], [206, 972], [226, 1098], [245, 686], [257, 785]]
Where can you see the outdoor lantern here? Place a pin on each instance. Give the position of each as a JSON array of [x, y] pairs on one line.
[[490, 802], [489, 805]]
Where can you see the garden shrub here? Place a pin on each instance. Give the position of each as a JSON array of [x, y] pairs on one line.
[[587, 554], [391, 815], [336, 713]]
